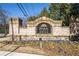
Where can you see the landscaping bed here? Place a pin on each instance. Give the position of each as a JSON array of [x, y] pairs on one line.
[[49, 48]]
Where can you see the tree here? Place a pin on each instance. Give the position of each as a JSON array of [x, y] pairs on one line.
[[74, 22], [32, 18], [65, 10], [3, 20], [54, 11], [44, 12], [60, 12], [75, 10]]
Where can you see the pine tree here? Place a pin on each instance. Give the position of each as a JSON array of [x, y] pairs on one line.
[[44, 12]]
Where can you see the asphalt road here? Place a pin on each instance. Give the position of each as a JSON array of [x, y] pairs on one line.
[[7, 53]]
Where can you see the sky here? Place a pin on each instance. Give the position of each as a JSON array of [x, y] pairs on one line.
[[33, 9]]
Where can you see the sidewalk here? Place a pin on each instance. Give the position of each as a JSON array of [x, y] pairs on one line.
[[3, 53]]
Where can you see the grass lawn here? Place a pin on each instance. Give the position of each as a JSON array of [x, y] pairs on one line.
[[50, 48]]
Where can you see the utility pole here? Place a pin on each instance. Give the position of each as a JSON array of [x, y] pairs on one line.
[[12, 30], [5, 26]]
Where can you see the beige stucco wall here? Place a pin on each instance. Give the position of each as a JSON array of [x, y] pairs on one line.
[[31, 31], [15, 29], [44, 20], [58, 32], [23, 31], [61, 31]]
